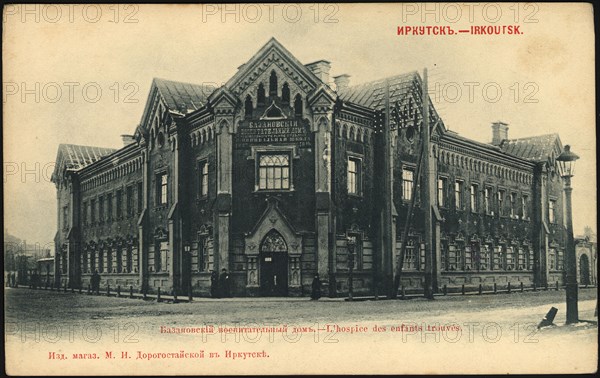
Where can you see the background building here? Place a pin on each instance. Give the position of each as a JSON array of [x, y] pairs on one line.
[[271, 174]]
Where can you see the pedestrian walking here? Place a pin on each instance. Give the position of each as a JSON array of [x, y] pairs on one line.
[[214, 284], [224, 284], [316, 288], [95, 280]]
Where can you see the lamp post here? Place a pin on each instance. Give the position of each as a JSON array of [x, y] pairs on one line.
[[351, 242], [188, 263], [566, 161]]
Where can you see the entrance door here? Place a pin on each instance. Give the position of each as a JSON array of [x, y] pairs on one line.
[[273, 265], [273, 274], [584, 270]]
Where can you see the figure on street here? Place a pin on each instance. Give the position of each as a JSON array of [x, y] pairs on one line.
[[316, 288]]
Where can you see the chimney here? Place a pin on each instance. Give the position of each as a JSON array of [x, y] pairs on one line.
[[499, 132], [320, 69], [127, 139], [342, 82]]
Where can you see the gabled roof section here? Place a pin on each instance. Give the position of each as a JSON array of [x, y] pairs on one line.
[[372, 94], [75, 157], [406, 98], [180, 98], [537, 148], [272, 45], [183, 96]]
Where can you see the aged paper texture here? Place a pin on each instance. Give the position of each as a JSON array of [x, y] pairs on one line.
[[253, 189]]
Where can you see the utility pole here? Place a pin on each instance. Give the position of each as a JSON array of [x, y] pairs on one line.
[[426, 190], [387, 222]]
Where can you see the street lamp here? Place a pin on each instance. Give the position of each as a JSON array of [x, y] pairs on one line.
[[566, 161], [351, 242], [188, 262]]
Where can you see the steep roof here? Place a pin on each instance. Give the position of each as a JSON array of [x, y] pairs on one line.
[[178, 95], [372, 94], [75, 157], [537, 148]]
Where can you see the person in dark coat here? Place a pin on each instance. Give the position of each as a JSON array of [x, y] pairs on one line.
[[224, 282], [316, 288], [214, 284], [96, 282]]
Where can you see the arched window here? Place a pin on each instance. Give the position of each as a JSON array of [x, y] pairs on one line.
[[273, 84], [248, 106], [260, 95], [298, 106], [285, 93]]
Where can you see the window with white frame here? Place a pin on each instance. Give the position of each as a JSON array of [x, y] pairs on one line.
[[203, 178], [407, 183], [524, 212], [474, 202], [513, 205], [441, 187], [354, 176], [458, 193], [488, 201], [274, 171], [161, 189], [552, 211]]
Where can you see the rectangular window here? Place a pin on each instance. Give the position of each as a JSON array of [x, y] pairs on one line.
[[109, 206], [130, 210], [407, 183], [354, 176], [65, 217], [358, 252], [203, 169], [274, 172], [441, 186], [119, 203], [552, 211], [410, 259], [458, 189], [468, 257], [497, 258], [513, 205], [510, 258], [140, 197], [524, 214], [559, 260], [101, 209], [161, 189], [93, 210], [500, 202], [202, 254], [521, 263], [164, 257], [474, 204], [488, 201], [552, 259]]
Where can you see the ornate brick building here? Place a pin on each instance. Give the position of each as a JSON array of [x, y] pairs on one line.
[[270, 175]]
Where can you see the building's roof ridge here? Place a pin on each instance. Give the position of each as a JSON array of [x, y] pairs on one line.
[[524, 139], [412, 74]]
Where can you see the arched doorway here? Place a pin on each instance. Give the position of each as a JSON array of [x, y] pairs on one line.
[[273, 265], [584, 270]]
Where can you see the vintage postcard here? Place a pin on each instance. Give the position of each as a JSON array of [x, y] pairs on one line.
[[327, 188]]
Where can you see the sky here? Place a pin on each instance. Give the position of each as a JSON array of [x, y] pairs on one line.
[[81, 74]]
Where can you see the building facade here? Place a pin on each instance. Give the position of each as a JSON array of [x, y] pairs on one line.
[[270, 175]]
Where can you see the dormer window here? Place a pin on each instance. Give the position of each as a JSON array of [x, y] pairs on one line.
[[260, 95], [273, 84], [285, 93], [298, 106], [248, 107]]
